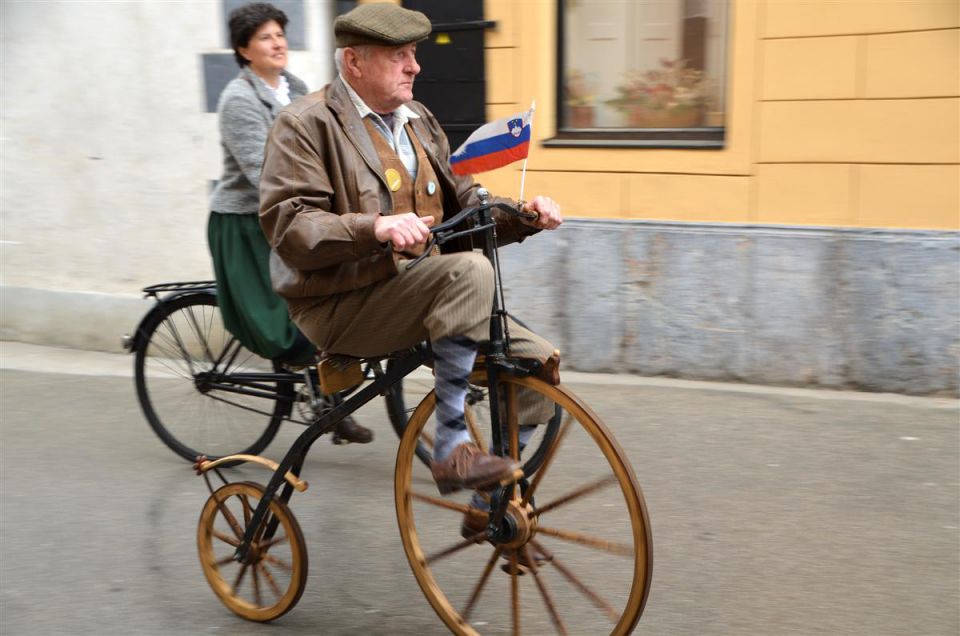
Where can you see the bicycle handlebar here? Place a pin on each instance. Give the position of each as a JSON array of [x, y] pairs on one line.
[[460, 216], [442, 233]]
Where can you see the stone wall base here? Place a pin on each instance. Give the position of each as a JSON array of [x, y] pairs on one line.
[[832, 308]]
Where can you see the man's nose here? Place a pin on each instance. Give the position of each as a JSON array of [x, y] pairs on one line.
[[414, 67]]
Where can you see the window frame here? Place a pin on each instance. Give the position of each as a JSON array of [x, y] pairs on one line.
[[699, 138]]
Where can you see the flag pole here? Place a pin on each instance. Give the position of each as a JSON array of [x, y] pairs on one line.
[[523, 173]]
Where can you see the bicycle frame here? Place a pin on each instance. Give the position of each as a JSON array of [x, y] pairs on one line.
[[497, 362]]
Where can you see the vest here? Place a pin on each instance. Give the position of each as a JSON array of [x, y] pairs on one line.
[[422, 197]]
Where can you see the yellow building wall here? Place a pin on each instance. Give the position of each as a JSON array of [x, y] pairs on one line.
[[840, 113]]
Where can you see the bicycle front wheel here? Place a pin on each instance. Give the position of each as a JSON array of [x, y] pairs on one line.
[[573, 552], [194, 384]]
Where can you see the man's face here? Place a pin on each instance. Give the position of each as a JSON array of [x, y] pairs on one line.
[[383, 75]]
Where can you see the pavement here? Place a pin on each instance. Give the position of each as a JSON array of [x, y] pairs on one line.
[[775, 511]]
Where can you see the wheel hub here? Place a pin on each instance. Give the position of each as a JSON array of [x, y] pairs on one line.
[[518, 526], [202, 382]]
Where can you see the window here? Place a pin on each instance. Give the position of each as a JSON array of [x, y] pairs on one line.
[[642, 73]]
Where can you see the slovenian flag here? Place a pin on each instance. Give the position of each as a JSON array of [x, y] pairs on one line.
[[494, 145]]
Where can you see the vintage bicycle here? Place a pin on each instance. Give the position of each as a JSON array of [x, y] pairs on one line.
[[203, 393], [564, 545]]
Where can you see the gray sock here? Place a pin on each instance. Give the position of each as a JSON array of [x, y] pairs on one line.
[[453, 362]]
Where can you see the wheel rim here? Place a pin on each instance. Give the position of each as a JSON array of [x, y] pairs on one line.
[[175, 377], [591, 521], [274, 579]]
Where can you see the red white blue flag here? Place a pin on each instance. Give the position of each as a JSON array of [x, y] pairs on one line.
[[494, 145]]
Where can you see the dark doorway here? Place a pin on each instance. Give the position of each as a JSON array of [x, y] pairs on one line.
[[452, 82]]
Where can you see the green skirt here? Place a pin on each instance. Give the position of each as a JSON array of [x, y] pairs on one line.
[[251, 310]]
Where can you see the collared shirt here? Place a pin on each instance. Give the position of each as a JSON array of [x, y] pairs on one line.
[[397, 135], [282, 92]]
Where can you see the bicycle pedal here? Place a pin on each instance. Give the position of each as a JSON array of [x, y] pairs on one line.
[[336, 440], [521, 569]]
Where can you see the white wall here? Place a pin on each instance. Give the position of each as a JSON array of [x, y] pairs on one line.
[[106, 152]]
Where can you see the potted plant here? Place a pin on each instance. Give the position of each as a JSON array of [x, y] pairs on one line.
[[579, 101], [671, 96]]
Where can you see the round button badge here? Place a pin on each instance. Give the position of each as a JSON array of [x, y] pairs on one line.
[[393, 179]]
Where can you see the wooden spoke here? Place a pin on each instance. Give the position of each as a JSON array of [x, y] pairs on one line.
[[257, 597], [226, 538], [231, 520], [595, 598], [277, 592], [551, 453], [613, 547], [478, 588], [514, 594], [247, 511], [456, 547], [224, 561], [544, 592], [239, 579], [576, 494], [272, 560], [513, 426], [442, 503], [474, 428], [266, 545]]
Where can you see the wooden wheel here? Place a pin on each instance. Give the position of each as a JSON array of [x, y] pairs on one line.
[[573, 554], [271, 583]]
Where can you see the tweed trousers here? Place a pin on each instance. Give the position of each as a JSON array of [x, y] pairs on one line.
[[442, 296]]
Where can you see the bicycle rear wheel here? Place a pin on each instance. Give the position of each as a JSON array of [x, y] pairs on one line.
[[187, 376], [573, 554]]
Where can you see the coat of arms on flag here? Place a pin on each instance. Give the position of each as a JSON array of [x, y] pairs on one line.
[[494, 145]]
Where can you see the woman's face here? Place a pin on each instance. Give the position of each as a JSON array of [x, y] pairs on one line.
[[267, 49]]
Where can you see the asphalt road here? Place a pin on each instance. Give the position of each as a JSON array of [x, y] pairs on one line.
[[774, 512]]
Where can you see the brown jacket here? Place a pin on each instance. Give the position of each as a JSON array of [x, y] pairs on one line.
[[322, 187]]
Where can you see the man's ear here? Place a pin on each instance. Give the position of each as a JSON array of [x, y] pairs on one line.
[[351, 63]]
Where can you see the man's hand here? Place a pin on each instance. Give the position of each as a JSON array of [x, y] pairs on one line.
[[403, 230], [547, 211]]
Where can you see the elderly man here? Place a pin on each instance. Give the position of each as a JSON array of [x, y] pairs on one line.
[[353, 177]]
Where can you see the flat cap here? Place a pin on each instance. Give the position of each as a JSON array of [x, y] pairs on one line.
[[382, 23]]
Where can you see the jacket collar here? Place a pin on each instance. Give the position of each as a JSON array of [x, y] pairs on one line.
[[265, 95], [338, 100]]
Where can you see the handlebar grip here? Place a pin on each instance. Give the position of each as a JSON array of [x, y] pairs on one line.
[[524, 214]]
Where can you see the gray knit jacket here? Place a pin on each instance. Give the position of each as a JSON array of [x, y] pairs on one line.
[[246, 111]]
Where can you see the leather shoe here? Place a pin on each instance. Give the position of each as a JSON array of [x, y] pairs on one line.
[[347, 431], [469, 467]]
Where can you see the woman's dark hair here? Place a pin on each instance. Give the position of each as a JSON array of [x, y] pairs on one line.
[[244, 22]]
